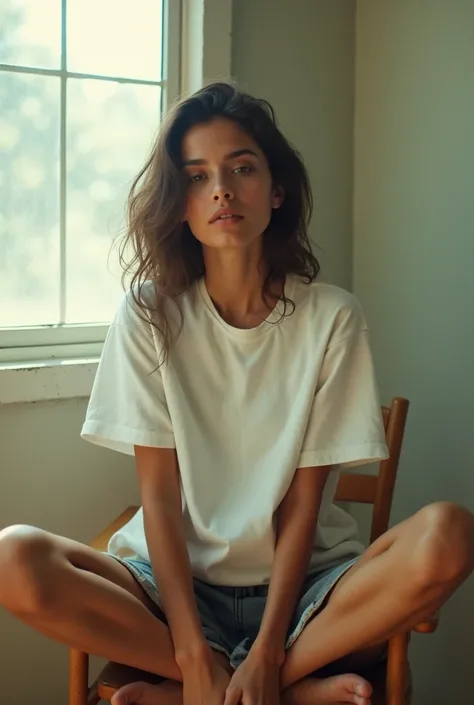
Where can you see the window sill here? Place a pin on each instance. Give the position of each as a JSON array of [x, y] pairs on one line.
[[28, 382]]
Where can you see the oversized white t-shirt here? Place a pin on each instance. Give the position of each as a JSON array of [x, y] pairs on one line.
[[244, 409]]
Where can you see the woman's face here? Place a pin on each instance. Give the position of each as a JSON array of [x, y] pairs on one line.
[[230, 192]]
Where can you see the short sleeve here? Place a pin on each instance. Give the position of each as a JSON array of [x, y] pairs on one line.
[[128, 406], [345, 426]]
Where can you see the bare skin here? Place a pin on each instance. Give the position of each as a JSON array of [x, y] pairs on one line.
[[82, 598], [402, 579], [338, 690], [74, 595], [89, 601]]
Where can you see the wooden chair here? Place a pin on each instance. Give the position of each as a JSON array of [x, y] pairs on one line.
[[391, 681]]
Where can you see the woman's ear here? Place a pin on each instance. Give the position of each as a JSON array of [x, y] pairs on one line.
[[278, 196]]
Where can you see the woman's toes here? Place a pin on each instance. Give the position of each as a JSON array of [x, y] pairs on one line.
[[362, 687], [347, 688], [129, 694], [358, 700], [147, 694]]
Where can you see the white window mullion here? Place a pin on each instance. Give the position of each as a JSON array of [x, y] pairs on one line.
[[172, 20], [6, 68], [62, 168]]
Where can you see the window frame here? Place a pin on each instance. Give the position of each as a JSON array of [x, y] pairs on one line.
[[63, 340]]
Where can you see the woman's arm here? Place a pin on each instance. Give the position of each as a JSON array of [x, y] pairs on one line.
[[297, 517], [158, 475]]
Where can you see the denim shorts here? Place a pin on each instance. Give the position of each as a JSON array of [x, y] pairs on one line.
[[231, 616]]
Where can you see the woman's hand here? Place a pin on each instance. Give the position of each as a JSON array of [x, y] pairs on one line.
[[205, 682], [256, 681]]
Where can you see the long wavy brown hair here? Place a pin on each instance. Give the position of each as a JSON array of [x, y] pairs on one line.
[[163, 249]]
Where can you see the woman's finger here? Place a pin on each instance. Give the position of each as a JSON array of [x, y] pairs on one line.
[[233, 695]]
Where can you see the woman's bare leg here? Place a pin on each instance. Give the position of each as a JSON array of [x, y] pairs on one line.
[[82, 598], [402, 579]]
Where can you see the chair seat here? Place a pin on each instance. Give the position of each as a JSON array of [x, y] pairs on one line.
[[114, 676]]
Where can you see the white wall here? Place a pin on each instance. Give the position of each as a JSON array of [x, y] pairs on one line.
[[52, 479], [413, 269], [299, 55]]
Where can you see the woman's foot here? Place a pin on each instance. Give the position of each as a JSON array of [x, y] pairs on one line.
[[338, 690], [166, 693]]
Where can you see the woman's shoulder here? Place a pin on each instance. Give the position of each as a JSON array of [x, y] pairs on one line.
[[332, 305], [131, 306], [139, 306], [324, 295]]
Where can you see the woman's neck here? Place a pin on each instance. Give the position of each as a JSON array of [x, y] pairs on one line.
[[234, 281]]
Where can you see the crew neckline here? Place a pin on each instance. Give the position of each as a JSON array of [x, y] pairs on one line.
[[275, 316]]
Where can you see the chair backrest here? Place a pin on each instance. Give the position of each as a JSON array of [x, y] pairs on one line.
[[378, 489]]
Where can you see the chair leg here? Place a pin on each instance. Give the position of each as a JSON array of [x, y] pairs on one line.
[[397, 669], [78, 677]]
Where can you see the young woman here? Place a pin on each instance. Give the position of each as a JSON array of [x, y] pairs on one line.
[[242, 386]]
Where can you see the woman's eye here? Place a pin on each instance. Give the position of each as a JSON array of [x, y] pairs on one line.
[[243, 170], [196, 178]]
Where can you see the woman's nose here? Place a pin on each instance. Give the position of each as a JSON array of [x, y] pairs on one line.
[[222, 192]]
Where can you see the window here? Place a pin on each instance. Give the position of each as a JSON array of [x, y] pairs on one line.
[[82, 87]]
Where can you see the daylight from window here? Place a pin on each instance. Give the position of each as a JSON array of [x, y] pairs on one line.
[[72, 137]]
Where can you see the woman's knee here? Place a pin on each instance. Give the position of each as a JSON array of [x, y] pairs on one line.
[[444, 545], [26, 570]]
